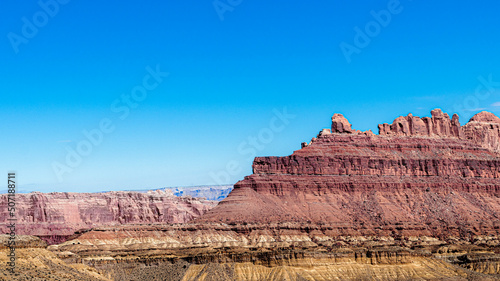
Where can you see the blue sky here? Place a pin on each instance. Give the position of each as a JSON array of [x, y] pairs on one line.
[[231, 66]]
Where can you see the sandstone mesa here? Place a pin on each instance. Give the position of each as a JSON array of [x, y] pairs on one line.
[[419, 176]]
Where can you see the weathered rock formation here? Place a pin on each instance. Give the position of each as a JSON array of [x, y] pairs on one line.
[[484, 129], [56, 216], [420, 176], [439, 124], [340, 124]]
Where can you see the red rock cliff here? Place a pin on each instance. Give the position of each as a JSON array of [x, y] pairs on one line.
[[420, 176], [61, 214]]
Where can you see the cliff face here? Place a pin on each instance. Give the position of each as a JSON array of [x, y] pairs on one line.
[[56, 216], [420, 176]]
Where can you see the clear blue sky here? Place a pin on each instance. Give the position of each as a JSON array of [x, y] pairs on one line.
[[225, 78]]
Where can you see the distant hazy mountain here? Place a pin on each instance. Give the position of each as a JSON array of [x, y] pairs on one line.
[[210, 192], [216, 192]]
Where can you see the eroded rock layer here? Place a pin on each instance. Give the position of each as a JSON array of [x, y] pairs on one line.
[[426, 176], [56, 216], [286, 251]]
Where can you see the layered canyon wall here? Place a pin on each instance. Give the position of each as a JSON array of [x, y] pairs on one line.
[[58, 215]]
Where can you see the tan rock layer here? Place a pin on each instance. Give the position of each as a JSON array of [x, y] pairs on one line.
[[267, 251]]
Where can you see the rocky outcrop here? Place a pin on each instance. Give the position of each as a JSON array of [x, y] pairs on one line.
[[484, 129], [418, 202], [56, 216], [439, 124], [340, 124], [420, 176]]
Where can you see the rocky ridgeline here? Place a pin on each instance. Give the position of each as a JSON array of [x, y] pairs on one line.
[[56, 216], [482, 129]]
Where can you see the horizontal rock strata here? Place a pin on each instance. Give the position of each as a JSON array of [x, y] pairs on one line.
[[274, 252], [56, 216]]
